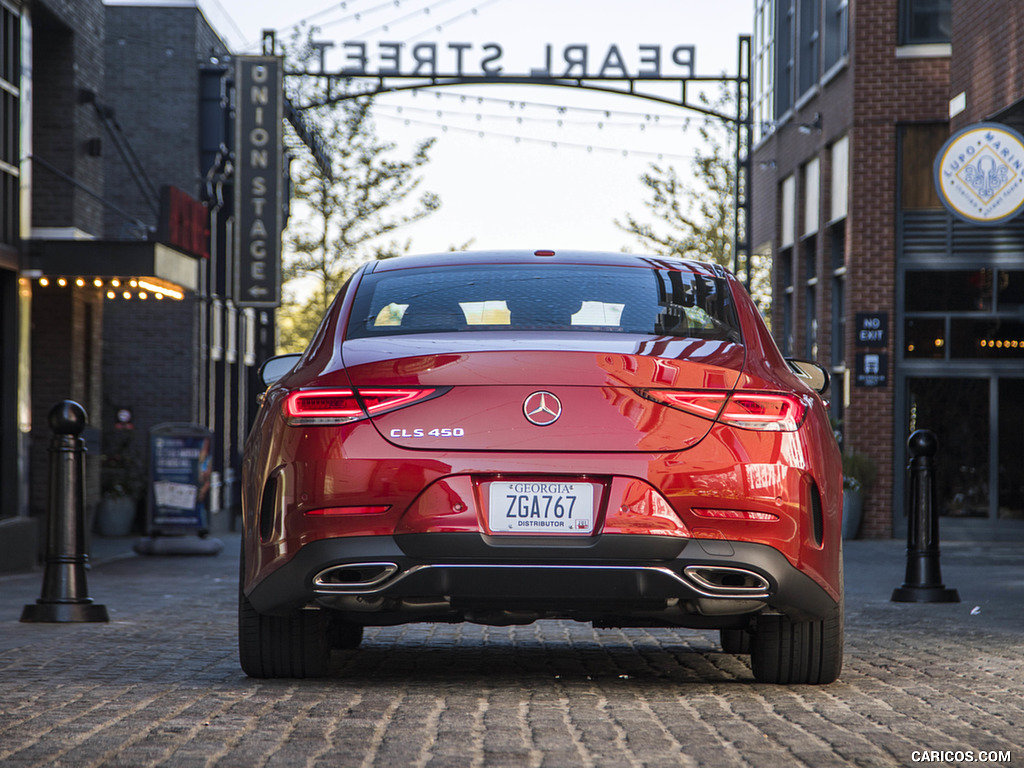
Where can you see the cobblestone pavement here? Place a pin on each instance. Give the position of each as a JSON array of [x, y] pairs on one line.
[[160, 684]]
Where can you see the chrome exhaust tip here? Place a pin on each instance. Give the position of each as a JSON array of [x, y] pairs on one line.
[[353, 576], [726, 581]]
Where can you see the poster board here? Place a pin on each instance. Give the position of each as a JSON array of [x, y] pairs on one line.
[[179, 479]]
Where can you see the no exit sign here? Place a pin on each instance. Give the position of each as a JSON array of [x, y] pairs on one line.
[[872, 329]]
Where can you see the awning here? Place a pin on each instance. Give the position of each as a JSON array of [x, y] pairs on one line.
[[115, 264]]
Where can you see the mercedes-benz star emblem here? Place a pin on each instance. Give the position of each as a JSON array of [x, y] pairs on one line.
[[542, 408]]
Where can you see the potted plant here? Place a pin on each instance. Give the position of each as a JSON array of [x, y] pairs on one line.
[[858, 476], [122, 484]]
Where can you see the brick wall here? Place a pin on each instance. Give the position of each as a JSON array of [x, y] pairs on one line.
[[867, 101], [67, 63], [888, 91], [150, 364], [152, 82], [988, 36], [153, 362]]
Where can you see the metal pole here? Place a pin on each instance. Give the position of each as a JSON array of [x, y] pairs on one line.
[[65, 596], [924, 575]]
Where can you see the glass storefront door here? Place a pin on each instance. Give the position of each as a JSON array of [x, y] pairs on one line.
[[980, 426], [1011, 449]]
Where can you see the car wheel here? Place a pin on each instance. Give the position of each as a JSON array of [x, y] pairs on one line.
[[798, 652], [735, 640], [282, 646]]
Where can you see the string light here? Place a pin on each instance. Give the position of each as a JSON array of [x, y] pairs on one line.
[[141, 288], [538, 141]]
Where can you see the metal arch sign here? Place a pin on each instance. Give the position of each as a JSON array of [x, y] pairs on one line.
[[601, 68], [979, 173]]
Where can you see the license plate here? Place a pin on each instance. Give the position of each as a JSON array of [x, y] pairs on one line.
[[541, 507]]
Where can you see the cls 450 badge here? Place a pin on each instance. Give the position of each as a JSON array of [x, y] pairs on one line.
[[435, 432]]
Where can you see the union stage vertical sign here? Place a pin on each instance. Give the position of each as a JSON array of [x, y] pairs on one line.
[[259, 101]]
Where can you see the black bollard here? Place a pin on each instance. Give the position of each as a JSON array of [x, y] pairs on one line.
[[65, 596], [924, 575]]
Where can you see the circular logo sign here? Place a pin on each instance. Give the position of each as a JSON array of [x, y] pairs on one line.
[[979, 173], [542, 408]]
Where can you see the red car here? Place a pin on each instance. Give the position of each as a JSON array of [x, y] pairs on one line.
[[512, 436]]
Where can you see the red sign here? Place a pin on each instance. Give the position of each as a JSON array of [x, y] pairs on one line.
[[184, 222]]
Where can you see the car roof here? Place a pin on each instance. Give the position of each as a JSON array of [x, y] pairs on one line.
[[546, 256]]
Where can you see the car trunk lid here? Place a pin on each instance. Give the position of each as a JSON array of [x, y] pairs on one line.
[[542, 392]]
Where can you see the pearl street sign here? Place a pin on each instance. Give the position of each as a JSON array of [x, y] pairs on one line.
[[387, 59]]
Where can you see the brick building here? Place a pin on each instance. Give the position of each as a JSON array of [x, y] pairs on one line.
[[115, 285], [873, 276]]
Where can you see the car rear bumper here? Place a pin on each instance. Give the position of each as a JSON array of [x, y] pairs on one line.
[[618, 580]]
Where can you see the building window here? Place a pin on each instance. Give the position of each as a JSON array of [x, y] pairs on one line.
[[812, 186], [10, 117], [808, 55], [837, 247], [788, 308], [840, 194], [787, 224], [925, 21], [964, 314], [785, 53], [918, 148], [764, 68], [810, 298], [836, 24]]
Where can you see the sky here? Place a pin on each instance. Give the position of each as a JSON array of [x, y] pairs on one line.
[[520, 166]]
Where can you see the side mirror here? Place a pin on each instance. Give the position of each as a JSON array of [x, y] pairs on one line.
[[276, 367], [814, 375]]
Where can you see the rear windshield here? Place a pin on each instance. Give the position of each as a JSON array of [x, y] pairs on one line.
[[550, 298]]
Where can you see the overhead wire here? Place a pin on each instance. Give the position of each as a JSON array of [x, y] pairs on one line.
[[649, 121], [518, 139], [422, 11], [474, 11]]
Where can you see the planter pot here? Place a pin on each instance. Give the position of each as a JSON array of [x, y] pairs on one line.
[[115, 516], [853, 510]]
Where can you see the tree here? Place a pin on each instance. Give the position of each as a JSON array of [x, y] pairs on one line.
[[343, 217], [698, 211]]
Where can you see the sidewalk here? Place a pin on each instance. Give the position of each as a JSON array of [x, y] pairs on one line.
[[989, 577]]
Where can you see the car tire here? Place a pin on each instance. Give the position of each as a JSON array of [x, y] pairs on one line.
[[282, 646], [798, 652], [735, 641]]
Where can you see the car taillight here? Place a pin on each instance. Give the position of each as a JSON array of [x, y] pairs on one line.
[[324, 407], [761, 411], [771, 412]]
